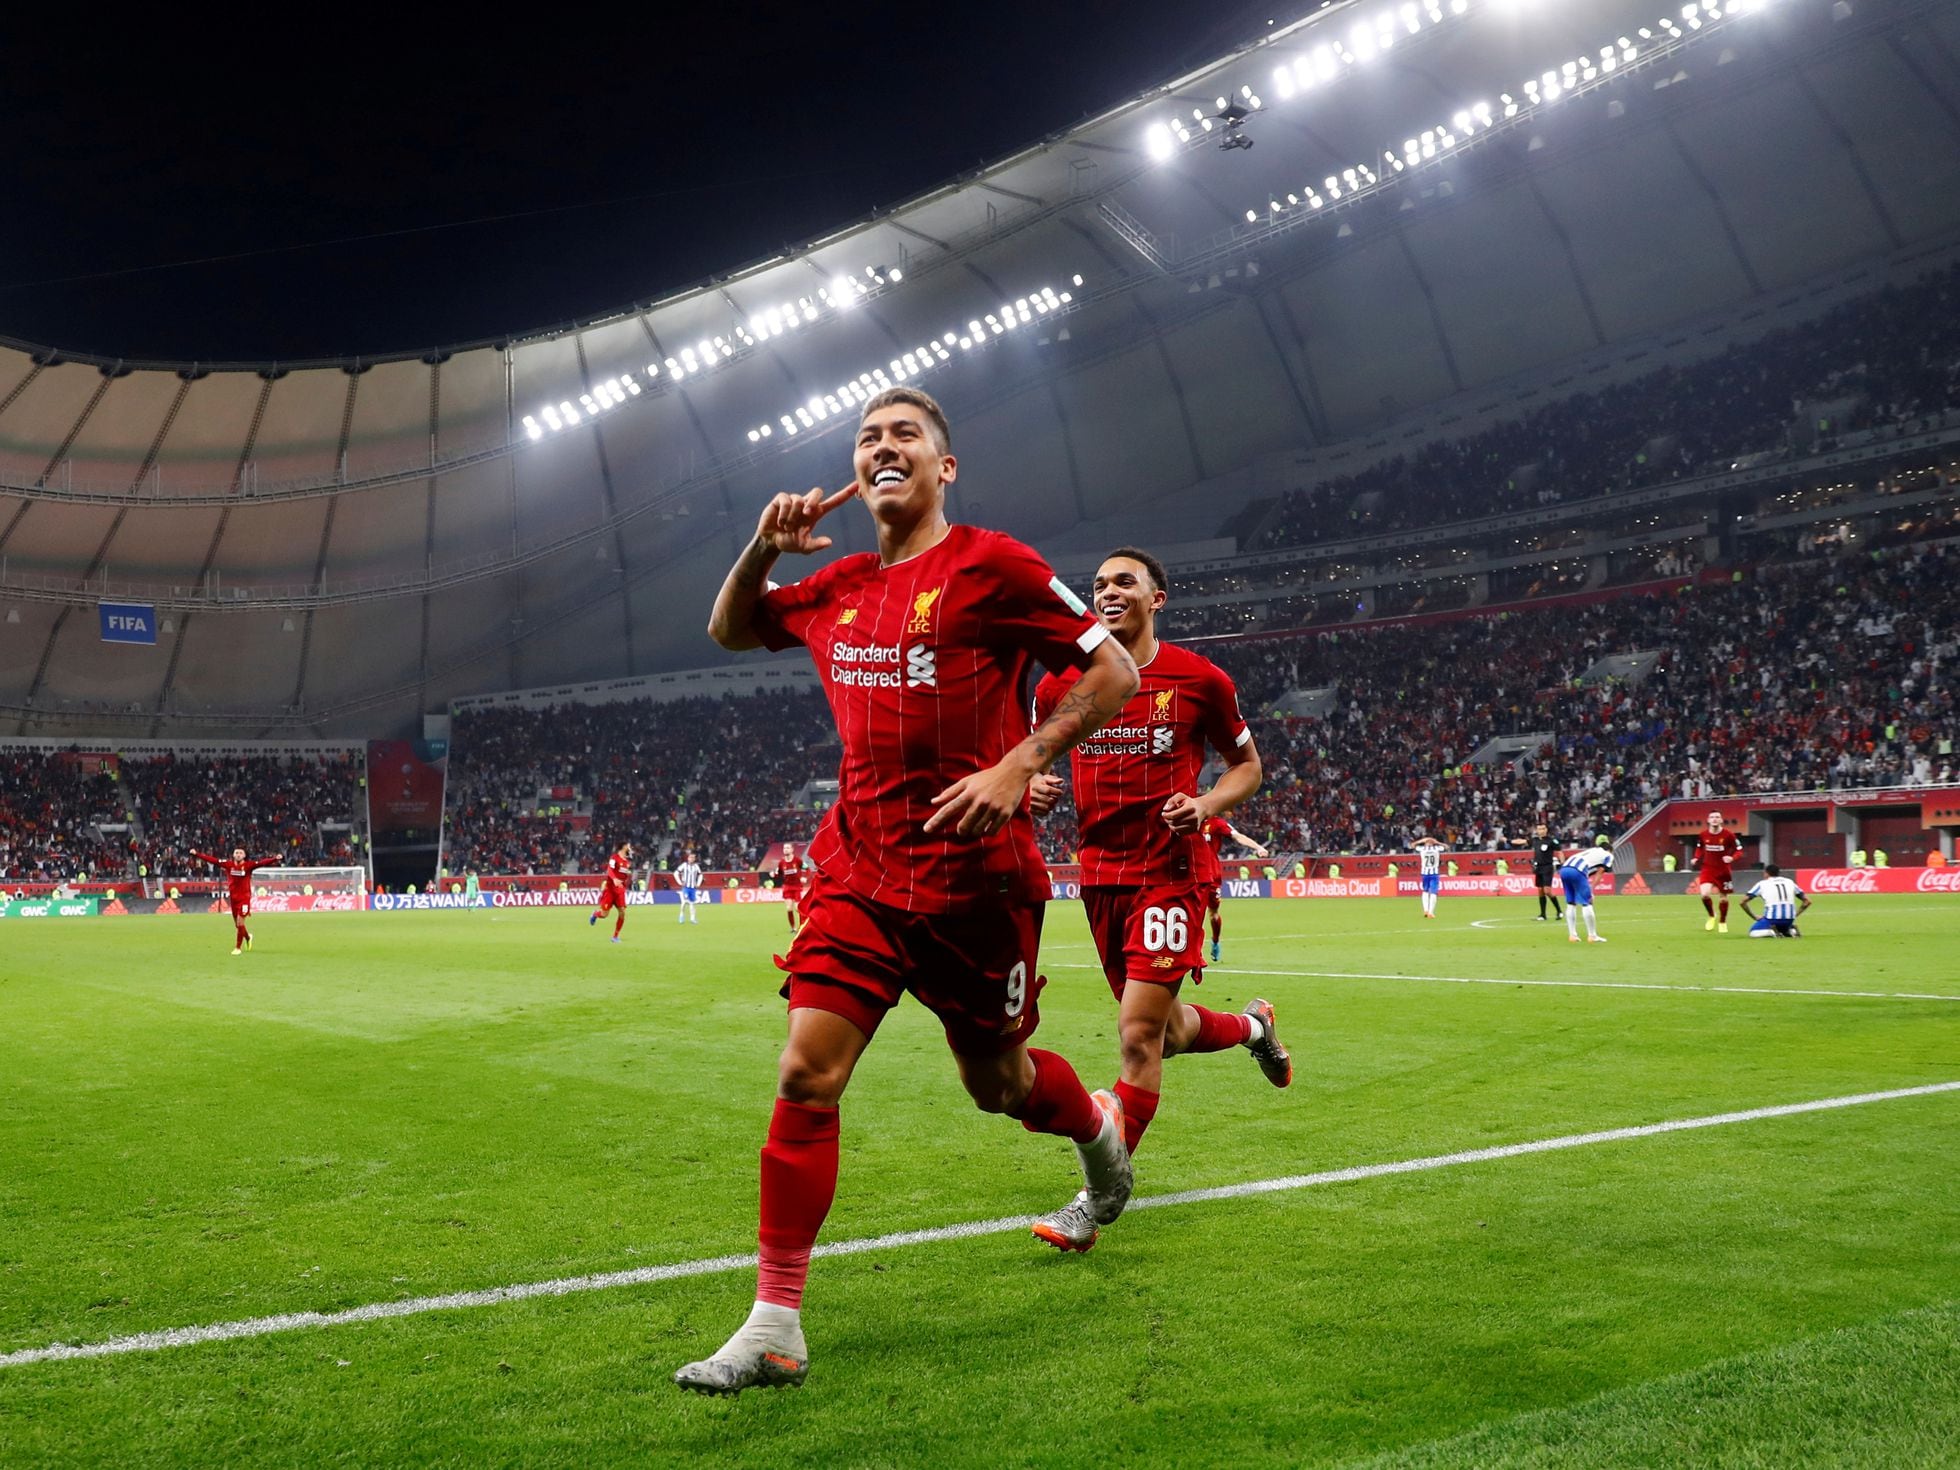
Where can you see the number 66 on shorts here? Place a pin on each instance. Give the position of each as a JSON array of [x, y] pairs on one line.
[[1150, 934]]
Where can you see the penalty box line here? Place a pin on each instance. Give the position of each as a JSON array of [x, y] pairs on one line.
[[143, 1342], [1558, 984]]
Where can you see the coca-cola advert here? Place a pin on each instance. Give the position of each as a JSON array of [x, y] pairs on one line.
[[1879, 880]]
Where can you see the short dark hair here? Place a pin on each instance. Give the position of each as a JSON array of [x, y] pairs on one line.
[[1149, 562], [1770, 870], [918, 398]]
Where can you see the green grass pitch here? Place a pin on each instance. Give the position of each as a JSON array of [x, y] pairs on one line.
[[380, 1107]]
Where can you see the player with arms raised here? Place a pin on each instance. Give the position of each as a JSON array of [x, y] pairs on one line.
[[612, 894], [1218, 832], [238, 886], [1429, 856], [1714, 854], [1144, 868], [927, 876], [789, 878]]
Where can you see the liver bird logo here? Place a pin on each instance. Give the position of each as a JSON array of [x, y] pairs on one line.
[[1161, 706], [922, 610]]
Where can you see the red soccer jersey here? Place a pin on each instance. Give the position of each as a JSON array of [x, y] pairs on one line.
[[1716, 855], [1216, 833], [924, 663], [619, 871], [789, 876], [238, 876], [1127, 770]]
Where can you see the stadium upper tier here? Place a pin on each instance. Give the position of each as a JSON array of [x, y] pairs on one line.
[[1451, 209]]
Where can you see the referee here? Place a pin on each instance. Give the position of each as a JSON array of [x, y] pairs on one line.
[[1544, 861]]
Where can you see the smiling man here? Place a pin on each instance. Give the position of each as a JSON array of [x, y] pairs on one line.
[[1147, 867], [927, 876]]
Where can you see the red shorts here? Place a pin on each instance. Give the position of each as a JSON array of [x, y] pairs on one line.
[[973, 970], [792, 893], [1210, 892], [1153, 934], [241, 908], [1723, 881], [612, 896]]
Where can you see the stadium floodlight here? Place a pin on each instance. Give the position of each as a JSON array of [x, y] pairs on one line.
[[1157, 142], [532, 428]]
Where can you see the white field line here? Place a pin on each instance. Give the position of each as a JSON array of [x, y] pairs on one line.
[[1554, 984], [717, 1265]]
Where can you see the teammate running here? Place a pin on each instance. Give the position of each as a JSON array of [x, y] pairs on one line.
[[1783, 902], [1429, 852], [1575, 875], [612, 895], [1714, 855], [1143, 854], [927, 876], [1544, 864], [1218, 832], [789, 878], [687, 878], [238, 885]]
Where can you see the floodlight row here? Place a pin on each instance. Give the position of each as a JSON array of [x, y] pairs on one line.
[[840, 294], [917, 361], [1537, 92]]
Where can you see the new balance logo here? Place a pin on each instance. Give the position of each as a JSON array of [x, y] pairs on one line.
[[1160, 739], [921, 667]]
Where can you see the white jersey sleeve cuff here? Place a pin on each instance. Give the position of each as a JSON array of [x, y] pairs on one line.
[[1244, 736], [1092, 638]]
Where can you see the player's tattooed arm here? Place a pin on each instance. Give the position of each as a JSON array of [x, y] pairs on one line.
[[981, 804], [787, 524]]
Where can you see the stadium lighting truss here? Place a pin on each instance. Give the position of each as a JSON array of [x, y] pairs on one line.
[[1470, 123], [917, 361], [840, 294]]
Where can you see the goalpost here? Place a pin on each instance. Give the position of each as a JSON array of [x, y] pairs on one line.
[[283, 890]]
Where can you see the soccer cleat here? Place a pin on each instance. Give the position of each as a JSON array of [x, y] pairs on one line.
[[1709, 927], [1595, 939], [615, 939], [1071, 1228], [757, 1356], [238, 951], [1214, 951], [248, 941], [1541, 918], [1106, 1162], [591, 921], [1723, 927], [1571, 939], [1273, 1059]]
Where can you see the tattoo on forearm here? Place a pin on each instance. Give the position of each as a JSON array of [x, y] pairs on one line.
[[1078, 715]]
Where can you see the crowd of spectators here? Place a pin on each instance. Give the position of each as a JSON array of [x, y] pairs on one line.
[[556, 788], [70, 814], [1890, 360]]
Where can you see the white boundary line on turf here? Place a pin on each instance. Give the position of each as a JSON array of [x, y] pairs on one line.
[[1558, 984], [715, 1265]]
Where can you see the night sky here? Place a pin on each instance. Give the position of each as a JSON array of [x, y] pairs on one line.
[[346, 183]]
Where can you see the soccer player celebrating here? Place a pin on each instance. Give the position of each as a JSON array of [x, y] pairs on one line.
[[612, 895], [1144, 853], [1575, 876], [789, 878], [238, 884], [1714, 855], [927, 876], [1782, 900], [687, 877], [1218, 832], [1544, 862], [1429, 853]]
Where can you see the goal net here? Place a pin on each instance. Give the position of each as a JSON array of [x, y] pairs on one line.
[[282, 890]]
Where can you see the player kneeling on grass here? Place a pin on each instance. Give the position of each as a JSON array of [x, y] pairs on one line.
[[1146, 863], [1782, 903], [922, 647], [238, 885], [1575, 875]]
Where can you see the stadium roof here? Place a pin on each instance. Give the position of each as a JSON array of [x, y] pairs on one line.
[[1439, 197]]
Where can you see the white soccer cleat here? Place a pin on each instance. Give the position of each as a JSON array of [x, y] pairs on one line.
[[1071, 1228], [1106, 1162], [759, 1355], [1595, 939], [1723, 927], [238, 951]]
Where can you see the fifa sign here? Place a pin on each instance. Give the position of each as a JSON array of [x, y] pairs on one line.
[[128, 622]]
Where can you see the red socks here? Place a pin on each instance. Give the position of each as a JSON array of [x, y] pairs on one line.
[[1058, 1102], [241, 936], [1218, 1030], [1708, 905], [1139, 1107], [799, 1180], [1725, 911], [619, 923]]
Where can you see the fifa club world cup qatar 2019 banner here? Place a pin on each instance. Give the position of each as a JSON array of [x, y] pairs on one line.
[[1819, 881], [405, 780]]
